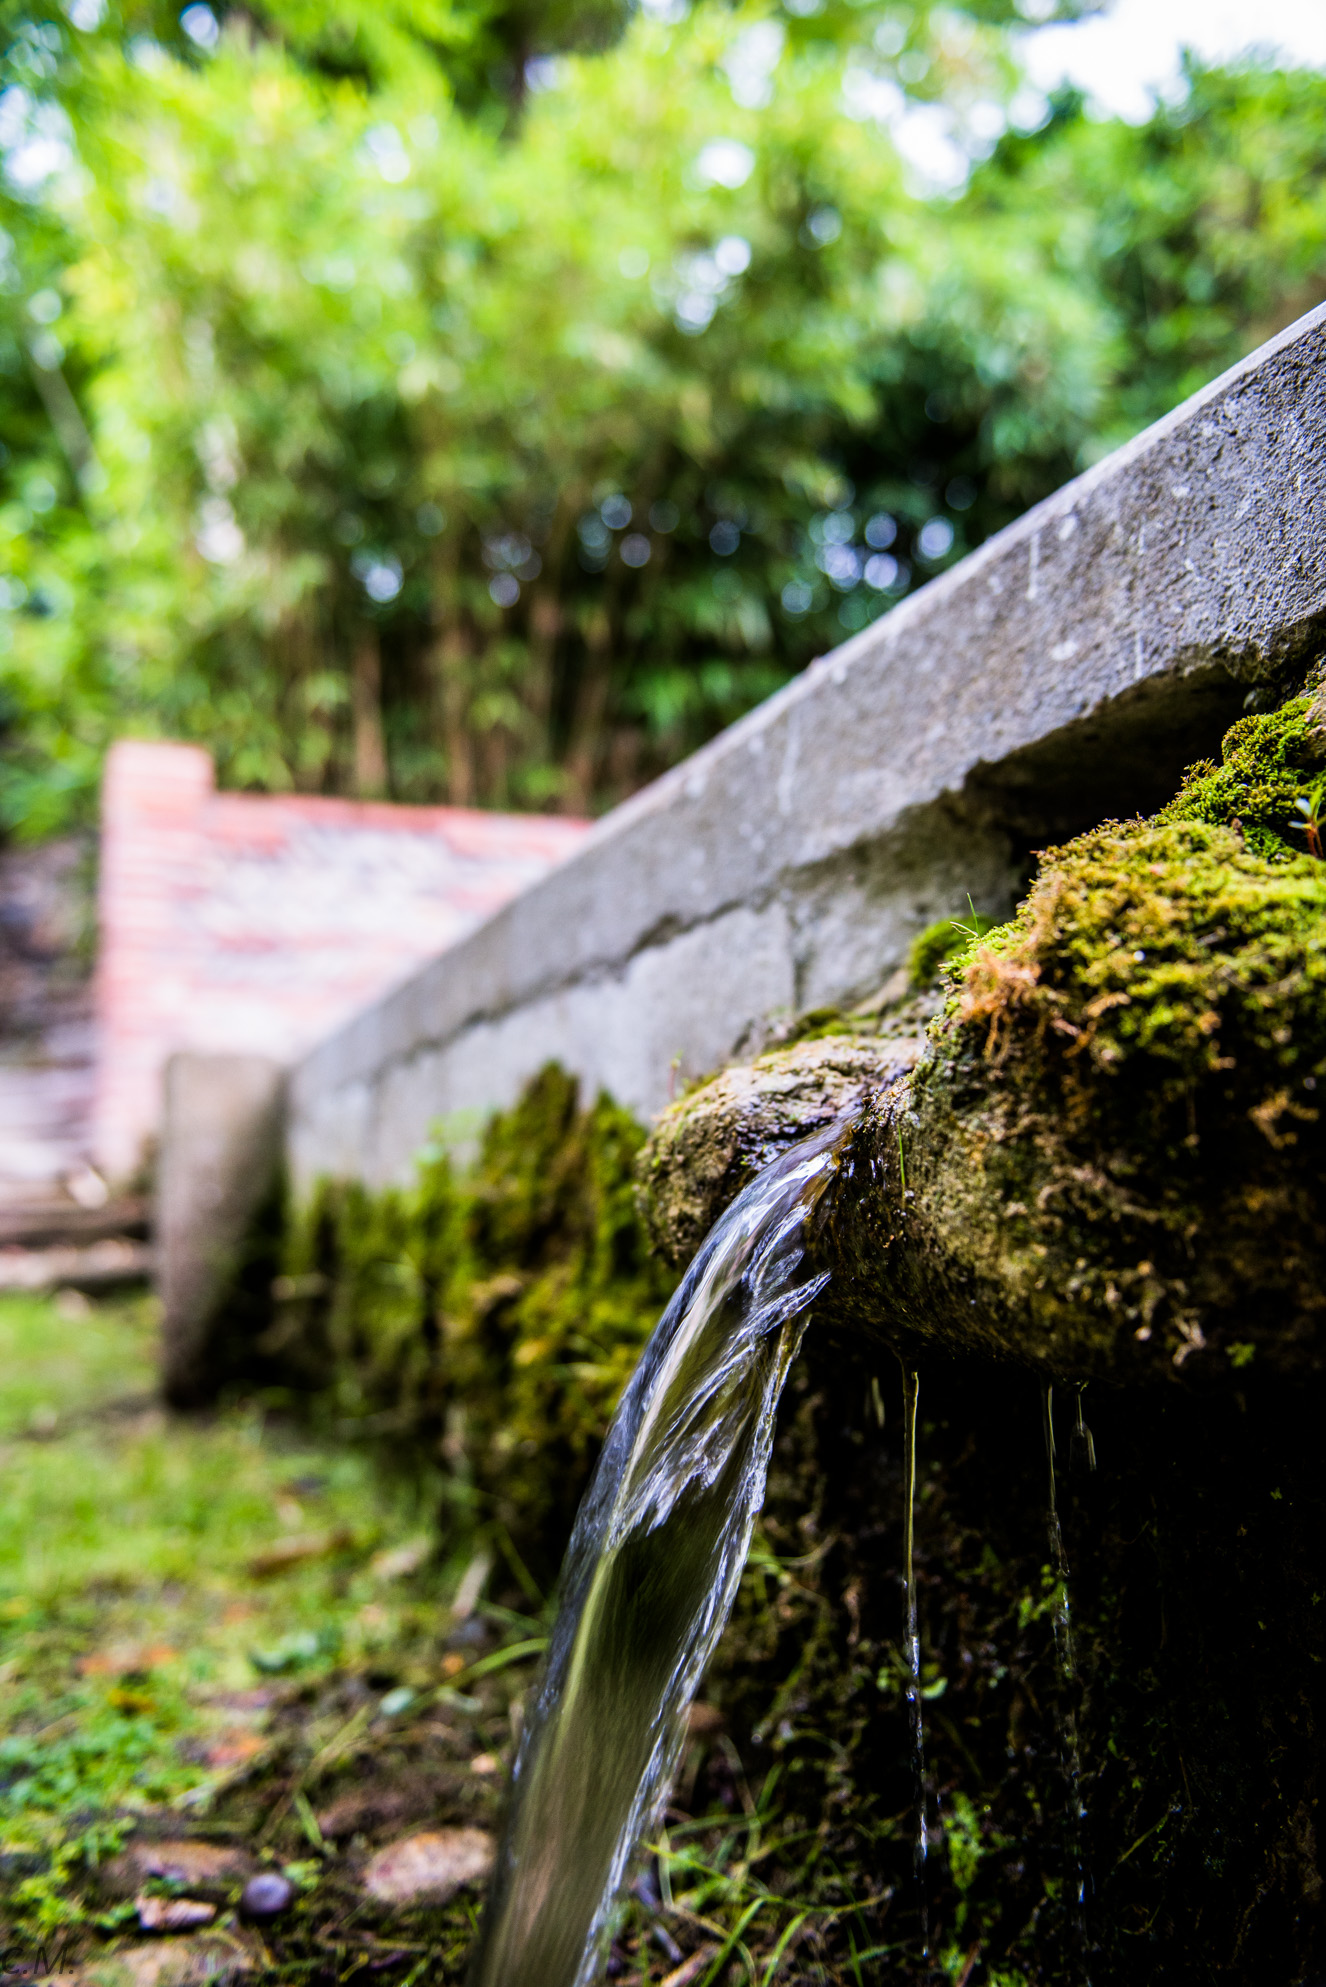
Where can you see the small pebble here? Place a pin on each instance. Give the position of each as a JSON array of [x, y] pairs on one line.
[[266, 1896], [173, 1914]]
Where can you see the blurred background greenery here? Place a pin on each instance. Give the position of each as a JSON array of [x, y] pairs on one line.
[[486, 400]]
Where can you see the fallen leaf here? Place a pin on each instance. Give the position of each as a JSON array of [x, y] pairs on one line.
[[126, 1660], [234, 1748], [690, 1969], [211, 1960], [371, 1808], [199, 1865]]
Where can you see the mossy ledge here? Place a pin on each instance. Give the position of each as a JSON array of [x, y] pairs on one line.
[[488, 1320], [1108, 1159]]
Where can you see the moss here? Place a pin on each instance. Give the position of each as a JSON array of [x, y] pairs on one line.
[[1268, 782], [1113, 1143], [1113, 1163], [492, 1318], [1115, 1139], [940, 941], [1160, 957]]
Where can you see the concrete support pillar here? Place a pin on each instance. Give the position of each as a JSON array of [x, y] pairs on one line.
[[219, 1162]]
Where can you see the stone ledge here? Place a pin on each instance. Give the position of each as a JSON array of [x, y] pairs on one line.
[[1065, 670]]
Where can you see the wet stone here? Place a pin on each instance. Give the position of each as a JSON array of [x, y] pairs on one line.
[[429, 1868]]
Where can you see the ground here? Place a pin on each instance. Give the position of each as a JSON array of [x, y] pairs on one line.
[[172, 1668], [205, 1622], [238, 1629], [299, 1628]]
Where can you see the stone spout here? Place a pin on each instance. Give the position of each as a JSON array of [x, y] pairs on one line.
[[1106, 1159]]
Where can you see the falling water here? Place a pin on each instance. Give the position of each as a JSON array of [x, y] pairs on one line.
[[1066, 1661], [1082, 1449], [911, 1389], [650, 1576]]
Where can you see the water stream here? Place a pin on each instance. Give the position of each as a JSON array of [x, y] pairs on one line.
[[911, 1391], [1065, 1695], [650, 1576]]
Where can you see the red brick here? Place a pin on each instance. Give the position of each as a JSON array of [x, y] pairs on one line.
[[261, 922]]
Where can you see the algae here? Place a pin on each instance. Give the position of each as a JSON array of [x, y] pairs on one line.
[[1115, 1138], [489, 1319], [939, 942]]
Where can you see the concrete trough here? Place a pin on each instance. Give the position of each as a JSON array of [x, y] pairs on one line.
[[1064, 672]]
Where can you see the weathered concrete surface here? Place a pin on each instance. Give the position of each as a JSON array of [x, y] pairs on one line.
[[1063, 672], [220, 1158], [709, 1145]]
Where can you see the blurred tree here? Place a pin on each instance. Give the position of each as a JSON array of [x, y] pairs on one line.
[[1203, 232], [400, 405]]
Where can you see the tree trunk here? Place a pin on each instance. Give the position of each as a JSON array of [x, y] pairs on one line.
[[370, 753], [591, 713]]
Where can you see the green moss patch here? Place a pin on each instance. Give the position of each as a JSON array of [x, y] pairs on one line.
[[941, 941], [490, 1319], [1268, 783], [1135, 1067]]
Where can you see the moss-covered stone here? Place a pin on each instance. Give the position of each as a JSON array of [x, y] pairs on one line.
[[938, 942], [1268, 782], [494, 1316], [1116, 1135], [1107, 1163], [708, 1146], [1108, 1160]]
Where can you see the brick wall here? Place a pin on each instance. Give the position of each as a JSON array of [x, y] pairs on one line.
[[260, 922]]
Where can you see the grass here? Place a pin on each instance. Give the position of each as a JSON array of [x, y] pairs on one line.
[[178, 1598], [133, 1545], [236, 1626]]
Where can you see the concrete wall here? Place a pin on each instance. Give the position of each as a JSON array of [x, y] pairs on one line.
[[254, 924], [1065, 671]]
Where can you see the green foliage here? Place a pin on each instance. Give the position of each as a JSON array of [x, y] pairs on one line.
[[495, 1316], [408, 397], [1267, 784], [133, 1627], [938, 942], [1201, 231]]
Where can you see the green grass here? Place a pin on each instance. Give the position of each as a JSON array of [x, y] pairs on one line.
[[54, 1367], [154, 1673], [131, 1613]]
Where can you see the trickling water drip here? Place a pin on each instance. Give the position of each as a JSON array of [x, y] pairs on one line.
[[1082, 1448], [911, 1389], [649, 1579], [1065, 1697]]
